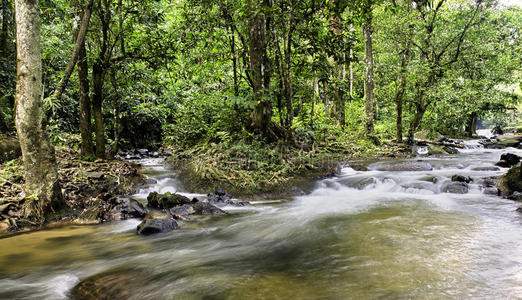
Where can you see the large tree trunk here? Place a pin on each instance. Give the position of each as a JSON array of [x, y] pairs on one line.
[[262, 113], [41, 178], [471, 124], [80, 41], [97, 101], [368, 85]]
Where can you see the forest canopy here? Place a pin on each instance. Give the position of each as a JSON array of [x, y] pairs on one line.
[[130, 74]]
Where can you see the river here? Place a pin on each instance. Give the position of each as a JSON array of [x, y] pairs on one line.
[[397, 237]]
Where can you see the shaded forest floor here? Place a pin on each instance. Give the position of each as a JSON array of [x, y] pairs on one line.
[[90, 190]]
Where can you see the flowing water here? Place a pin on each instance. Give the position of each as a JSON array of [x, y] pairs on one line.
[[394, 237]]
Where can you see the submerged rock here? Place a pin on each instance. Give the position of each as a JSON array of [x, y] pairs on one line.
[[461, 178], [166, 201], [402, 166], [152, 226], [519, 209], [486, 169], [114, 284], [455, 188]]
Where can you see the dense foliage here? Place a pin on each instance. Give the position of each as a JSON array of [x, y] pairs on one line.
[[201, 72]]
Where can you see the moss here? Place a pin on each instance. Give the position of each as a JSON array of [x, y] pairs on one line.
[[512, 180], [436, 150]]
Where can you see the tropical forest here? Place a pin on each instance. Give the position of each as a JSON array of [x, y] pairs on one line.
[[260, 149]]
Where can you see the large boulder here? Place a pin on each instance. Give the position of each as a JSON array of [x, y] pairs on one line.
[[455, 188], [507, 160], [511, 182], [402, 166], [152, 226], [166, 201]]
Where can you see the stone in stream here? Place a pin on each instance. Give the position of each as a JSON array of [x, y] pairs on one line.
[[486, 169], [152, 226], [221, 198], [122, 283], [166, 201], [519, 209], [508, 159], [198, 208], [491, 191], [516, 196], [455, 188], [461, 178], [402, 166]]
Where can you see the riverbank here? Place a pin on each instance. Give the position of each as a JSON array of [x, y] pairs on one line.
[[90, 191]]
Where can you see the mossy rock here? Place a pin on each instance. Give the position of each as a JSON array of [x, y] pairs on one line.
[[511, 182], [436, 150]]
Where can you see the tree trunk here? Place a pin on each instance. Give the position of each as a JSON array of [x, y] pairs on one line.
[[87, 147], [80, 40], [41, 178], [368, 86], [471, 124], [399, 95], [5, 26], [117, 126], [262, 113], [419, 113], [97, 101]]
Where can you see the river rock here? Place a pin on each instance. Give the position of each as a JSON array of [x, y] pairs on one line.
[[402, 166], [221, 198], [450, 149], [152, 226], [519, 209], [510, 159], [166, 201], [486, 169], [132, 209], [461, 178], [198, 208], [455, 188], [491, 191], [124, 283], [516, 196], [143, 152]]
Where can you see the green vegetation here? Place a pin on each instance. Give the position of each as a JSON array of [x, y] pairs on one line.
[[254, 94]]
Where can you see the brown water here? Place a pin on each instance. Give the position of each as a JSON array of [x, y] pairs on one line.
[[398, 238]]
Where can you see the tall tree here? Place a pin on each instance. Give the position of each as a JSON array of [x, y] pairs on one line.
[[259, 69], [41, 178], [368, 50], [78, 45], [87, 147]]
